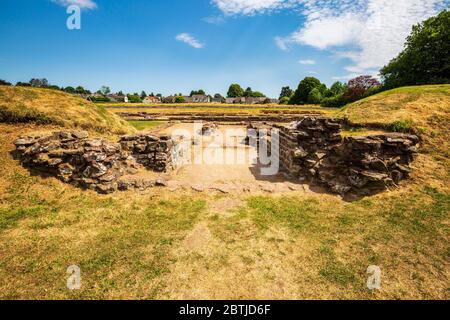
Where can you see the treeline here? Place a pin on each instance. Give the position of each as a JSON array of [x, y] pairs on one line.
[[312, 91], [102, 95], [236, 91], [424, 60], [43, 83]]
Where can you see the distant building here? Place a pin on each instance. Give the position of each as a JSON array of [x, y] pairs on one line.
[[92, 97], [198, 98], [152, 99], [117, 98], [234, 100], [169, 99], [216, 100], [249, 100]]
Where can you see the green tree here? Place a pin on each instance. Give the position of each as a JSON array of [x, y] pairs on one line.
[[180, 99], [23, 84], [54, 87], [235, 91], [143, 95], [219, 96], [105, 90], [286, 92], [336, 88], [39, 83], [426, 57], [248, 92], [80, 90], [334, 102], [304, 88], [70, 89], [315, 96], [4, 83], [284, 100], [134, 98], [257, 94], [197, 92]]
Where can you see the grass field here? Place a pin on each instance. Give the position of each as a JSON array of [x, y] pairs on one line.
[[159, 244], [145, 125]]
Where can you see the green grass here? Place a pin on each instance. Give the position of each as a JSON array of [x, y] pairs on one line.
[[405, 126], [145, 125]]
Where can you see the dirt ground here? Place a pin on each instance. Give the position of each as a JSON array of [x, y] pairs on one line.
[[222, 161]]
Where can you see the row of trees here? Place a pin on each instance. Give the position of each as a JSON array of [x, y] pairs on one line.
[[101, 94], [43, 83], [236, 91], [312, 91]]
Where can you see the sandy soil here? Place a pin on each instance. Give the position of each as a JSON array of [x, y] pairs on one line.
[[223, 162]]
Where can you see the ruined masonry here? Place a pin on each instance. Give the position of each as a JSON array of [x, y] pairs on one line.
[[96, 163], [313, 150]]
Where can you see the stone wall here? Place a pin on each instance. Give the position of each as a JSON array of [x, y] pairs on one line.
[[155, 153], [306, 143], [313, 150], [96, 163]]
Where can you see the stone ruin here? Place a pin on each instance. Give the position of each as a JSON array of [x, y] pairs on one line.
[[96, 163], [155, 153], [313, 150], [208, 129]]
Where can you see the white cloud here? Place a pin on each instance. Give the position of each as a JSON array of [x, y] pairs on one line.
[[250, 7], [217, 20], [368, 32], [190, 40], [375, 29], [308, 61], [281, 43], [351, 75], [83, 4]]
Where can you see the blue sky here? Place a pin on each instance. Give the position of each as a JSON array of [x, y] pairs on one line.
[[172, 46]]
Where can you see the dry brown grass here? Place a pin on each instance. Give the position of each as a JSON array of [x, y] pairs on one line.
[[170, 245], [418, 104], [19, 104]]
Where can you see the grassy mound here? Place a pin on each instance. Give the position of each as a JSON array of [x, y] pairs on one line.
[[421, 109], [44, 106]]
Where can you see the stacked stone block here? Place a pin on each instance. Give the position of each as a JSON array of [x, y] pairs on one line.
[[152, 152], [95, 163], [313, 150]]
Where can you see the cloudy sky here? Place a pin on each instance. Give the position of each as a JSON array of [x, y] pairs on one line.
[[172, 46]]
